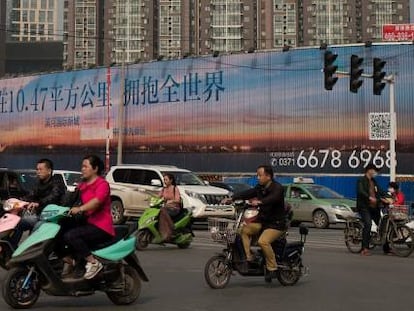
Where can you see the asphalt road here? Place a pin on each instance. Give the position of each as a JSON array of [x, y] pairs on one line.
[[337, 281]]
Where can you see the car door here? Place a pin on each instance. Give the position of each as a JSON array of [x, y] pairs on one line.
[[144, 190], [299, 199], [128, 186]]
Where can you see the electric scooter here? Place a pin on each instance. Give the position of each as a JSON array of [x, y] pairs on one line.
[[219, 268], [12, 209], [148, 227], [35, 268]]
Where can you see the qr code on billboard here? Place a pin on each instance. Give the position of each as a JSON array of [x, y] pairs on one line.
[[379, 126]]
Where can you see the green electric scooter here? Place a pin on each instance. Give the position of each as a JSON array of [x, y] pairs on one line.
[[34, 266], [148, 227]]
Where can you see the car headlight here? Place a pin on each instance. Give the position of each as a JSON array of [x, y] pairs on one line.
[[197, 196], [341, 207]]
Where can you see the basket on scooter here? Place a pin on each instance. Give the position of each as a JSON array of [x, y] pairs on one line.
[[398, 212], [222, 229]]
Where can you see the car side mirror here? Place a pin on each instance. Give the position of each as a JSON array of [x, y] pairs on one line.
[[156, 183], [304, 196], [206, 182]]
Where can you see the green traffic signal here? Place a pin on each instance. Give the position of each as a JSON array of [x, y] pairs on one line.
[[355, 74], [378, 75]]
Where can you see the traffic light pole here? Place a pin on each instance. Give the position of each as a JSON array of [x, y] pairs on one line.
[[390, 79], [393, 117]]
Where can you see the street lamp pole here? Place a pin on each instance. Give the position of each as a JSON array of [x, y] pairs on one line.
[[121, 111], [393, 126]]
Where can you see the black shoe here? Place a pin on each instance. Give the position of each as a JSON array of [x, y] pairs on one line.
[[269, 275]]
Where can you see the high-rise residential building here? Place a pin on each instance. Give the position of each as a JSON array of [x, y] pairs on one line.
[[3, 27], [34, 20], [84, 34], [278, 22], [331, 21], [226, 25], [350, 21], [102, 32], [131, 27], [379, 12]]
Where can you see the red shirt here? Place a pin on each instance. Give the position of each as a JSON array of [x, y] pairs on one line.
[[399, 198], [100, 217]]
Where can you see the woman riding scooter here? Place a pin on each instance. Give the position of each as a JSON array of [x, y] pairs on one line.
[[95, 196], [172, 206]]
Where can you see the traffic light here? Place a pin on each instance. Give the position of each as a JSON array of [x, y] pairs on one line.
[[329, 70], [378, 75], [355, 74]]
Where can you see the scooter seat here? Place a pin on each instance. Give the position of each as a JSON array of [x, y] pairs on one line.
[[121, 231], [293, 245]]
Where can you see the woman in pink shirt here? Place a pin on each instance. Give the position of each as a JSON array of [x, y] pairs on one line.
[[96, 206]]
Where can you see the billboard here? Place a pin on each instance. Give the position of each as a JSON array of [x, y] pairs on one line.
[[398, 32], [223, 114]]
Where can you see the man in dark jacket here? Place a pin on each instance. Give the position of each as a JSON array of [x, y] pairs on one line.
[[48, 190], [368, 198], [268, 196]]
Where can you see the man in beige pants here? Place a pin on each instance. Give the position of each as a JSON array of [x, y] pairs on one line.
[[268, 196]]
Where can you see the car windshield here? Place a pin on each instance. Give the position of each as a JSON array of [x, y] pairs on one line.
[[321, 192], [72, 178], [239, 187], [186, 179], [28, 179]]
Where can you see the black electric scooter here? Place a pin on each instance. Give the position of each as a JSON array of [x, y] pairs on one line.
[[220, 267]]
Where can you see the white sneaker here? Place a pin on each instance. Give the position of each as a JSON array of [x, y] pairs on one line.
[[92, 269]]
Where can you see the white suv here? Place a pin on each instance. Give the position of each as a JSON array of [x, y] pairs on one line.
[[133, 185]]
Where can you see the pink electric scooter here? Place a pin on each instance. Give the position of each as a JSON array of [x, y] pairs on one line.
[[8, 222]]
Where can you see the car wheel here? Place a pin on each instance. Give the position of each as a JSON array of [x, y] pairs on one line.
[[320, 219], [117, 210]]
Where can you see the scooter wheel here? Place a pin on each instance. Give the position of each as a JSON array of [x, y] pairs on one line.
[[17, 296], [131, 291], [288, 277], [217, 272], [184, 245]]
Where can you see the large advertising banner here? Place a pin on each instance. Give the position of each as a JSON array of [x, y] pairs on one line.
[[227, 113]]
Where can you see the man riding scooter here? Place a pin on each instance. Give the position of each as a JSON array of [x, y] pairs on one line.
[[271, 223], [49, 189]]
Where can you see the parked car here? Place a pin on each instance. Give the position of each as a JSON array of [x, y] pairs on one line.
[[233, 187], [12, 185], [70, 178], [133, 185], [316, 203]]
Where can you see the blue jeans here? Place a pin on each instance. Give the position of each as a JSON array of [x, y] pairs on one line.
[[26, 223]]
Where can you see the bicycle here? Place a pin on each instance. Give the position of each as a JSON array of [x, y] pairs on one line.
[[392, 229]]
